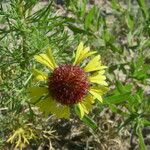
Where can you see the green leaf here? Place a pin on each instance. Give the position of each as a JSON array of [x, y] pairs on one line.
[[120, 87], [145, 122], [117, 99], [115, 109], [107, 36], [141, 140], [131, 118], [129, 21], [89, 121], [143, 8], [89, 18], [76, 30], [82, 8], [115, 4]]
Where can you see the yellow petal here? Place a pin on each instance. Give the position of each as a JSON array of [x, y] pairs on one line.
[[97, 92], [98, 78], [39, 75], [96, 95], [101, 72], [78, 52], [36, 93], [49, 54], [87, 55], [94, 64], [49, 105], [81, 110], [87, 103], [61, 111], [45, 105], [46, 59], [84, 55]]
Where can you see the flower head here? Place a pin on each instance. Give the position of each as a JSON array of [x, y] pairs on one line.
[[69, 85]]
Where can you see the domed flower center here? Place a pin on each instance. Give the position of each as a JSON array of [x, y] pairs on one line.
[[68, 84]]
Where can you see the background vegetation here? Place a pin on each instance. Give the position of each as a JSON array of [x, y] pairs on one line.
[[119, 30]]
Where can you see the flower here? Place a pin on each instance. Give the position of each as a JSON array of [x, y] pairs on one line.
[[69, 85]]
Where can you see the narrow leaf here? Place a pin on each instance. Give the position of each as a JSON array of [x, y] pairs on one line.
[[89, 121]]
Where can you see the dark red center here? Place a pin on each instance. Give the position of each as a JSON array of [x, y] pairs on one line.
[[68, 84]]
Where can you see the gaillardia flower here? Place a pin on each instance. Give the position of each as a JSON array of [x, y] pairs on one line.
[[69, 85]]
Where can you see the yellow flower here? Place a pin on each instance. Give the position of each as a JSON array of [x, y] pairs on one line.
[[69, 85]]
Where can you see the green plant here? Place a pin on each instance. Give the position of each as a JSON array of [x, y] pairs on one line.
[[119, 31]]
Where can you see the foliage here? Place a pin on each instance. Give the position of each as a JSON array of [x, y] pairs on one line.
[[121, 34]]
